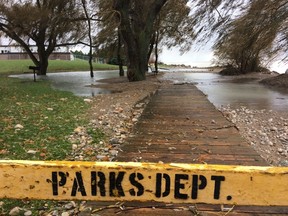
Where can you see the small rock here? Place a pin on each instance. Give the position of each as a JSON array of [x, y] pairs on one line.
[[118, 110], [50, 109], [31, 152], [139, 105], [101, 157], [113, 152], [78, 130], [65, 214], [87, 100], [54, 213], [70, 205], [19, 126], [74, 146], [280, 150], [134, 120], [15, 211], [273, 129], [28, 213], [200, 131], [114, 141], [283, 163]]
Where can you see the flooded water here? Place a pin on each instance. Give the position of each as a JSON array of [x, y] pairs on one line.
[[221, 91], [76, 82]]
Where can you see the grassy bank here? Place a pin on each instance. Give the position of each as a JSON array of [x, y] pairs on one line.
[[35, 121], [21, 66], [44, 117]]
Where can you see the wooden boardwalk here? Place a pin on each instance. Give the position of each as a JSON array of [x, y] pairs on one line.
[[180, 125]]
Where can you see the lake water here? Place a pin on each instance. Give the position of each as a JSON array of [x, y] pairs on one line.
[[221, 91]]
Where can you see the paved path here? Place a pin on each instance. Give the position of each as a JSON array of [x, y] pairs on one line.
[[180, 125]]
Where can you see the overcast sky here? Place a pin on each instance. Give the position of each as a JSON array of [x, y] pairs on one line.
[[204, 58], [200, 58]]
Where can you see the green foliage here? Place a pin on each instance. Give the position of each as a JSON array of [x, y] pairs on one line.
[[175, 26], [253, 37], [247, 34], [96, 134]]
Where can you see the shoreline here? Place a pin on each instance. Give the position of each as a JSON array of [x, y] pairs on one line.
[[116, 114]]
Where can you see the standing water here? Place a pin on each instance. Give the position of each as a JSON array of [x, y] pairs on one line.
[[221, 91], [76, 82]]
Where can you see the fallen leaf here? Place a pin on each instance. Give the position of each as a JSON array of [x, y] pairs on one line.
[[3, 151]]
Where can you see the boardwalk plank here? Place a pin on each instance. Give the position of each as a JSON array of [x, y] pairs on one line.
[[180, 125]]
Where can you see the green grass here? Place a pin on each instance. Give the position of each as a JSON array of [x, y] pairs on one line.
[[21, 66], [48, 116]]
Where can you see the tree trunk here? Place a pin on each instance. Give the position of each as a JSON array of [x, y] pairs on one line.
[[119, 59], [43, 65], [43, 60], [136, 27], [90, 38], [156, 52], [151, 47]]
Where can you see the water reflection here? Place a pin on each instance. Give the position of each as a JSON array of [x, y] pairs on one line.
[[223, 91]]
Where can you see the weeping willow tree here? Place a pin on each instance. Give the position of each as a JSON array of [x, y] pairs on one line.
[[254, 36]]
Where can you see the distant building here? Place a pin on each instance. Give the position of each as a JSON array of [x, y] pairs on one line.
[[16, 52]]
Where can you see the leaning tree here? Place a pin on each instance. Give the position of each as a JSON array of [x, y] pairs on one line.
[[245, 32], [44, 23], [254, 36]]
